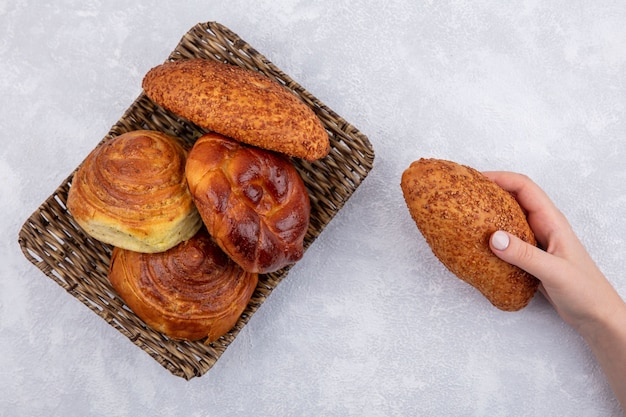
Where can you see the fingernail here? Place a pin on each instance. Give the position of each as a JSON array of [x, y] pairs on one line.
[[500, 240]]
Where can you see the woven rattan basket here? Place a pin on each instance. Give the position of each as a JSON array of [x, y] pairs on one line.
[[53, 242]]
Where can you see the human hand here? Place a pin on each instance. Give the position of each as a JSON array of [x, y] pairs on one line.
[[570, 279]]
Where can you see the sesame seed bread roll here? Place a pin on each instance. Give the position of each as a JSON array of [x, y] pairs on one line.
[[456, 208], [238, 103]]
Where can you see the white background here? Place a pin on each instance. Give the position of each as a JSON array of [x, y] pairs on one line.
[[369, 323]]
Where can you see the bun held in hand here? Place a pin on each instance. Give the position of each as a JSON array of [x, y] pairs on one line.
[[456, 208]]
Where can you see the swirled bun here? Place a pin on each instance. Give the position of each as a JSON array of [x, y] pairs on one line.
[[240, 104], [131, 192], [457, 209], [252, 201], [190, 292]]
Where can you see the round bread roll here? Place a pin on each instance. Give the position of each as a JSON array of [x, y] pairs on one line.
[[131, 192], [240, 104], [190, 292], [457, 209], [252, 201]]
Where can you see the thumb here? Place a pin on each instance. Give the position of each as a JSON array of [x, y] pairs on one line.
[[530, 258]]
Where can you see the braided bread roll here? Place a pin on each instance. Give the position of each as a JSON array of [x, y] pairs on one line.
[[190, 292], [131, 192], [240, 104], [252, 201]]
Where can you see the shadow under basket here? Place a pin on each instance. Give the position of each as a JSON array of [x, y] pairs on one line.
[[54, 243]]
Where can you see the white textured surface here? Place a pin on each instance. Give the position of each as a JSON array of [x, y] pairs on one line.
[[368, 323]]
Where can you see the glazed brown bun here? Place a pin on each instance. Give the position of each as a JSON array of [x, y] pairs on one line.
[[457, 209], [131, 192], [252, 201], [240, 104], [190, 292]]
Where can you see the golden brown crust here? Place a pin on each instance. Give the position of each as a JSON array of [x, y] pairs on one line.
[[240, 104], [131, 192], [457, 209], [252, 201], [190, 292]]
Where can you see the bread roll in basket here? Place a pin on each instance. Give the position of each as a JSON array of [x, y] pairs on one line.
[[240, 104], [252, 201], [190, 292], [131, 192]]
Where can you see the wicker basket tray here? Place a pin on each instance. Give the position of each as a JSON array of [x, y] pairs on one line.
[[53, 242]]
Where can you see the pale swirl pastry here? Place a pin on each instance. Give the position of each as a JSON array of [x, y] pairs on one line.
[[131, 192], [252, 201], [190, 292]]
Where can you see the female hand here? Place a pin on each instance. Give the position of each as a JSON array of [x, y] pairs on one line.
[[570, 279]]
